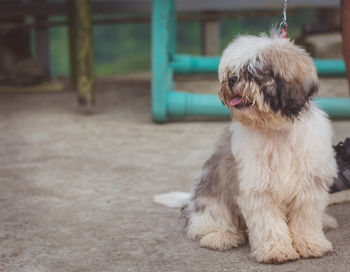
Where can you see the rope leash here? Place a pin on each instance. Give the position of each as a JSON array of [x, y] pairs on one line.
[[283, 25]]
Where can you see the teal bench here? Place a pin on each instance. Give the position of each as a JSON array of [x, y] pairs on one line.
[[168, 102]]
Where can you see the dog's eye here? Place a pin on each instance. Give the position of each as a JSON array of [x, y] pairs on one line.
[[232, 81]]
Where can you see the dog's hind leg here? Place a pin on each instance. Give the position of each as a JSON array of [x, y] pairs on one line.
[[214, 226], [212, 212]]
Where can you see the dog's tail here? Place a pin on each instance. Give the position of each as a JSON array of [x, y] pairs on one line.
[[180, 199], [173, 199], [339, 197]]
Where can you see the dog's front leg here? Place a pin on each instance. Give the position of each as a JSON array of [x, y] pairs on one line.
[[269, 235], [305, 223]]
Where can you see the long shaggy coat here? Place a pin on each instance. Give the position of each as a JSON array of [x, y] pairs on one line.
[[269, 177]]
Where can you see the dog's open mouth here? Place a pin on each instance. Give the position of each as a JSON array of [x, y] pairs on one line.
[[239, 102]]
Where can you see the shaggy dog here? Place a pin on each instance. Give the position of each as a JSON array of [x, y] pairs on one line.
[[269, 176]]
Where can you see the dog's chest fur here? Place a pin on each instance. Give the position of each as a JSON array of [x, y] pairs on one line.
[[287, 161]]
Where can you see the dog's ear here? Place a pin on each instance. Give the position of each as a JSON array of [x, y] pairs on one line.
[[289, 97], [223, 92]]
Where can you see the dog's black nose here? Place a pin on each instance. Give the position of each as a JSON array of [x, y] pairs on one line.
[[232, 81]]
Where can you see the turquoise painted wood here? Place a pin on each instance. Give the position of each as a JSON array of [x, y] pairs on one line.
[[187, 64], [336, 107], [330, 67], [163, 45], [167, 102], [193, 104], [187, 104]]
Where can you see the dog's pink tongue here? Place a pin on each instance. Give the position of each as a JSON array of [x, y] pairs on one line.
[[236, 101]]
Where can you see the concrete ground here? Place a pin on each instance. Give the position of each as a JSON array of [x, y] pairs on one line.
[[76, 190]]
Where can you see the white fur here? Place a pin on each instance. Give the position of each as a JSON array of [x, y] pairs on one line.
[[172, 199], [246, 51], [283, 180], [296, 165], [296, 155]]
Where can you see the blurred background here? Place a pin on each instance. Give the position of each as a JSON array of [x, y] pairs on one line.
[[122, 35], [126, 47]]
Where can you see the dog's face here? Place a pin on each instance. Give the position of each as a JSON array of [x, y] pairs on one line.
[[266, 82]]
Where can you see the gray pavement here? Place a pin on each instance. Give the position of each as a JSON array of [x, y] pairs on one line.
[[76, 190]]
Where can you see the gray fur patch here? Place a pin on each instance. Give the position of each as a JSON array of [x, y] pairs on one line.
[[219, 181], [287, 97]]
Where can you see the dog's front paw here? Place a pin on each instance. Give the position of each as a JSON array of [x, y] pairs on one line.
[[312, 246], [276, 253], [221, 240]]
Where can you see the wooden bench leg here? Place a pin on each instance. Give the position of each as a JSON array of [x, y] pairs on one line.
[[210, 36], [345, 8], [81, 50], [42, 42]]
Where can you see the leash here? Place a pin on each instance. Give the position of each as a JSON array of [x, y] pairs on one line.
[[283, 25]]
